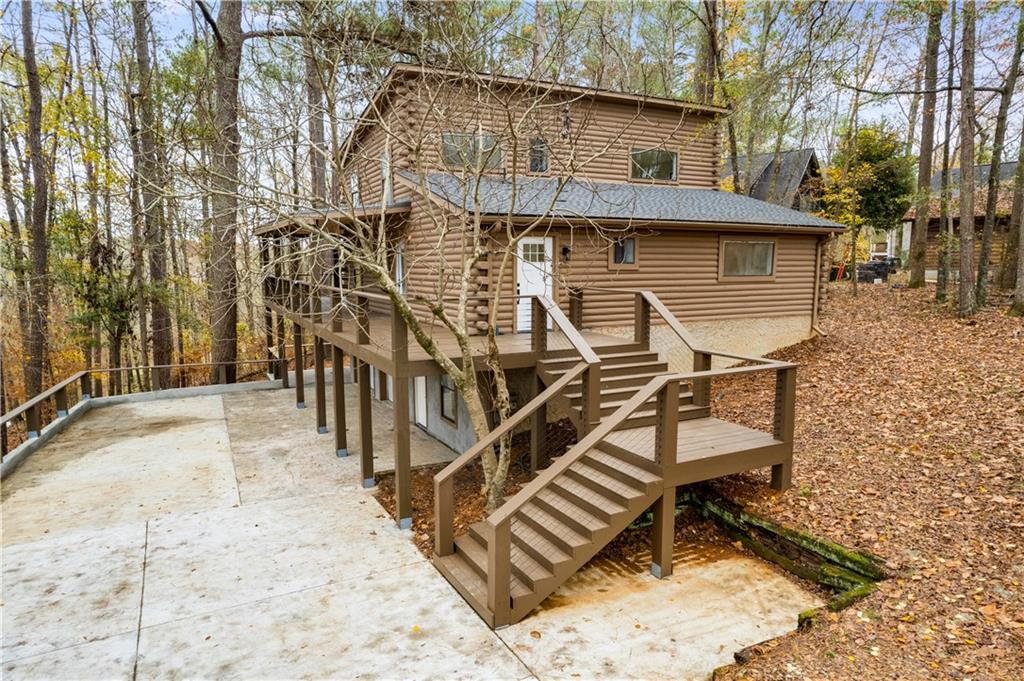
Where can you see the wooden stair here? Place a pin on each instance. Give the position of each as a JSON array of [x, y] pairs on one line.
[[623, 373], [559, 530]]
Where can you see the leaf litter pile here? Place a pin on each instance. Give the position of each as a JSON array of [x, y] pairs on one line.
[[910, 445]]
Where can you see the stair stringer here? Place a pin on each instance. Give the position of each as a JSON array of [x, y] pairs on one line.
[[523, 605]]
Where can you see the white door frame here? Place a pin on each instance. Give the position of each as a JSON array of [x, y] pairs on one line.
[[537, 278], [419, 401]]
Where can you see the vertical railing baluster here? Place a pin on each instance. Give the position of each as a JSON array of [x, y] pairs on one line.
[[642, 321], [538, 325], [576, 307]]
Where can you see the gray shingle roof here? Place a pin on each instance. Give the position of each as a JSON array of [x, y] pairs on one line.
[[539, 196], [793, 166]]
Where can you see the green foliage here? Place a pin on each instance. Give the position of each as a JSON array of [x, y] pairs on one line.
[[872, 181]]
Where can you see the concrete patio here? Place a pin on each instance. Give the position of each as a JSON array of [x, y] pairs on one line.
[[219, 536]]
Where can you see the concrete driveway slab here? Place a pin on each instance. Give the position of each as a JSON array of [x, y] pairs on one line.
[[208, 561], [396, 624], [615, 621], [110, 659], [71, 589], [120, 464]]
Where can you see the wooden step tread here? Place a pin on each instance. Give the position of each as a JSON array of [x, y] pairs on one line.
[[610, 358], [545, 551], [552, 527], [578, 519], [644, 366], [610, 461], [590, 500], [476, 557], [617, 490], [626, 392]]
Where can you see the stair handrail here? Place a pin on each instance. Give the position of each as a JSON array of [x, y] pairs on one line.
[[497, 528], [444, 508]]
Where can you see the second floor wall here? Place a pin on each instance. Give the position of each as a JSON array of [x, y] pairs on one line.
[[465, 124]]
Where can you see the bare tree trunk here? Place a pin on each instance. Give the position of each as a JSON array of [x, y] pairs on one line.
[[138, 236], [945, 221], [1011, 254], [39, 298], [967, 304], [919, 232], [18, 255], [224, 185], [998, 138], [152, 199], [706, 62]]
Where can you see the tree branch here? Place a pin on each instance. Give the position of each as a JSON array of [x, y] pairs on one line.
[[208, 16]]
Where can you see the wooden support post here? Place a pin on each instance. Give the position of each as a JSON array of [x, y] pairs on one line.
[[32, 421], [400, 402], [591, 406], [785, 421], [321, 384], [87, 385], [61, 399], [365, 426], [538, 326], [300, 364], [340, 428], [642, 321], [701, 386], [499, 575], [282, 356], [538, 427], [663, 534], [444, 517], [576, 307]]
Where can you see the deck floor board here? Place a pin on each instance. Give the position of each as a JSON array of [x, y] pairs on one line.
[[697, 439]]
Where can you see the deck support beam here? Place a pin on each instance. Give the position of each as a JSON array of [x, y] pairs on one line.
[[783, 427], [538, 427], [663, 534], [321, 389], [300, 387], [365, 426], [338, 376], [400, 402]]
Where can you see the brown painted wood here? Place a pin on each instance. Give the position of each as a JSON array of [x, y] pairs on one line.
[[365, 427], [320, 387], [663, 533], [338, 386], [297, 349]]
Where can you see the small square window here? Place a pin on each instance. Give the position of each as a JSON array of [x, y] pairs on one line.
[[538, 155], [624, 252], [653, 164], [471, 151], [448, 399]]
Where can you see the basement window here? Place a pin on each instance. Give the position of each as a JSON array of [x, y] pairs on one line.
[[653, 164], [449, 401], [747, 259]]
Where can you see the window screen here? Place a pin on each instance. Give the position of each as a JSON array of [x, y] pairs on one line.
[[653, 164], [748, 258]]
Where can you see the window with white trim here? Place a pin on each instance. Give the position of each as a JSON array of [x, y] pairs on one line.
[[624, 252], [472, 151], [353, 185]]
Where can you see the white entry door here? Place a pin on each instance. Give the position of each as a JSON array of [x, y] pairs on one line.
[[419, 400], [534, 275]]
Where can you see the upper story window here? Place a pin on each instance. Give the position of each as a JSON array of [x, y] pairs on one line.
[[353, 186], [449, 402], [747, 258], [623, 253], [538, 155], [653, 164], [473, 151]]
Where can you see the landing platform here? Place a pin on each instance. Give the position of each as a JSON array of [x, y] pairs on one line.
[[706, 448]]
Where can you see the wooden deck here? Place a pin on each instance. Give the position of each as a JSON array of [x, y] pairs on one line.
[[705, 448], [515, 348]]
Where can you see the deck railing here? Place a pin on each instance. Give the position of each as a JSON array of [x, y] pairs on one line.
[[587, 369], [57, 402]]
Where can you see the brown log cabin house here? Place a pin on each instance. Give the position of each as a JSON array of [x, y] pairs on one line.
[[637, 274]]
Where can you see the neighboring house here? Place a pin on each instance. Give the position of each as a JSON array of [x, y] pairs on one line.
[[791, 178], [1007, 171], [639, 264]]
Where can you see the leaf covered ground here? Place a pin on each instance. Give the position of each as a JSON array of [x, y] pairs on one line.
[[909, 444]]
